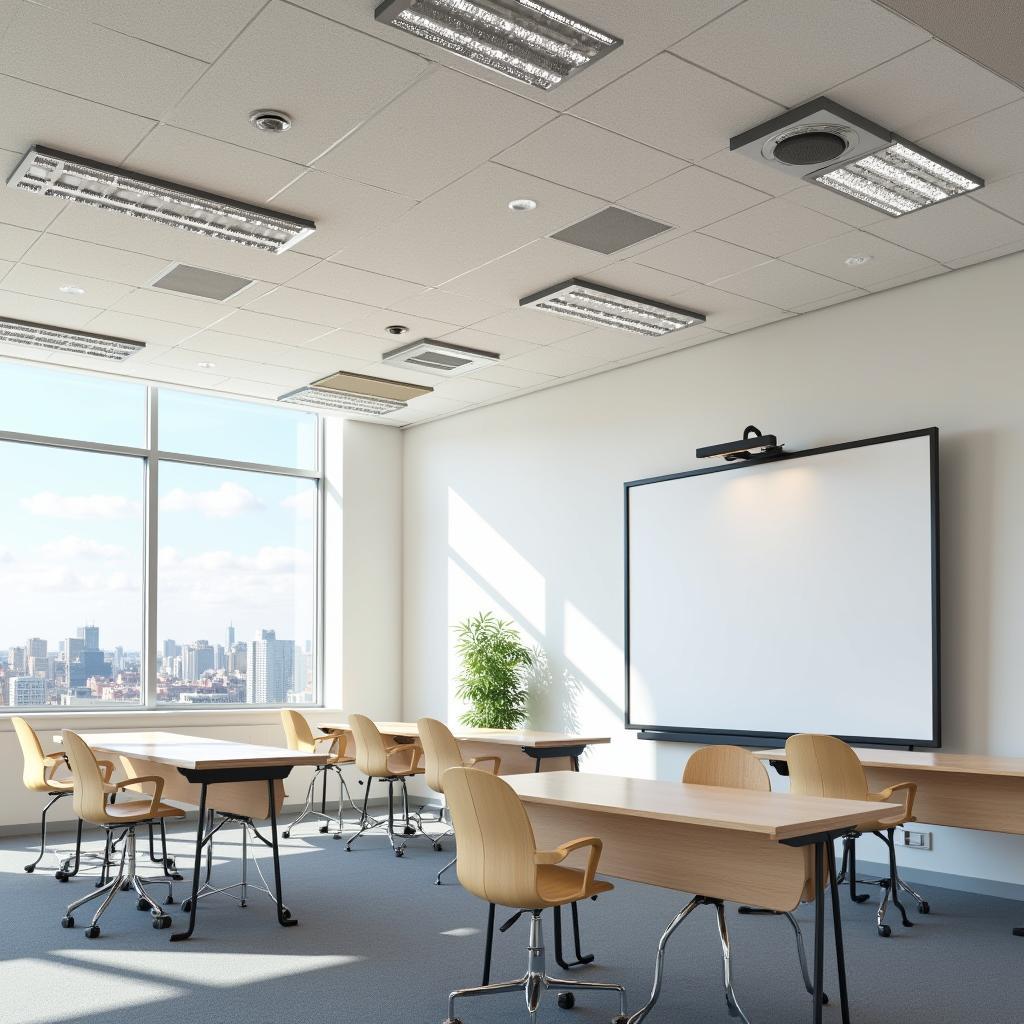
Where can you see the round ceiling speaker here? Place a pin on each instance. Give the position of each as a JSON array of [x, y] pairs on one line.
[[810, 145]]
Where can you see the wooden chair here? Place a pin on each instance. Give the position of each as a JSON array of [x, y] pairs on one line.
[[441, 752], [500, 863], [39, 775], [299, 736], [91, 804], [826, 766], [387, 764]]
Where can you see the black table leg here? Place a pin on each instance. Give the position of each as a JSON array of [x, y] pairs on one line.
[[284, 916], [575, 763], [197, 867], [490, 945], [837, 927], [819, 929]]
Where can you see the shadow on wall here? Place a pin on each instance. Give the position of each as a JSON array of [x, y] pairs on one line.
[[553, 699]]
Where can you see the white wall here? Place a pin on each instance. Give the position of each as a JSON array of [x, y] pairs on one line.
[[362, 615], [517, 507]]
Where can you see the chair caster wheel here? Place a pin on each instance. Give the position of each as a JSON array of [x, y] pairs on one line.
[[67, 922], [125, 886], [400, 852], [620, 1018], [861, 897], [337, 835], [169, 902], [884, 930], [161, 922], [408, 831], [824, 999], [323, 830], [286, 834], [62, 876], [92, 932], [141, 905], [186, 905], [30, 868], [924, 908], [438, 847], [286, 915], [177, 878], [566, 1000]]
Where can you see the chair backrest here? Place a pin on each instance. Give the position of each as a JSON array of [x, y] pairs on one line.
[[90, 798], [726, 766], [297, 732], [371, 755], [824, 766], [33, 773], [496, 844], [440, 751]]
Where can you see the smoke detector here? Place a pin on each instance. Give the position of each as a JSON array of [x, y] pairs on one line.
[[439, 357]]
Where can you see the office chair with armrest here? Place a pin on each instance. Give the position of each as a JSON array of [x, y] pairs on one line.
[[500, 863], [300, 737], [39, 776], [90, 799], [386, 764], [826, 766]]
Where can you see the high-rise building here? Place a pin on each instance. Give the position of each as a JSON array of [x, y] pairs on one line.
[[35, 648], [91, 637], [196, 658], [27, 691], [271, 669], [73, 647], [16, 659], [231, 636], [171, 649], [218, 658]]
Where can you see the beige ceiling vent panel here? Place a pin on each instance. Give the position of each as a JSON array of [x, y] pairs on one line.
[[355, 392], [207, 284], [439, 357]]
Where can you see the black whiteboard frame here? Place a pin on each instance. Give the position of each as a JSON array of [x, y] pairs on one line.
[[683, 734]]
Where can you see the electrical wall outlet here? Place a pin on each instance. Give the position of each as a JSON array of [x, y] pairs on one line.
[[913, 840]]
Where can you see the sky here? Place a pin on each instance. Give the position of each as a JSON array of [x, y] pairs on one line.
[[234, 547]]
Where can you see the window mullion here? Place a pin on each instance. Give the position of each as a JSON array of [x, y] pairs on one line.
[[152, 548]]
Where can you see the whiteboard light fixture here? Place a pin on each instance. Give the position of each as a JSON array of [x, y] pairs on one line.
[[753, 445], [57, 175]]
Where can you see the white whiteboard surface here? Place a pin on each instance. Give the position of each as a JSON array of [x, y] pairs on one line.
[[792, 596]]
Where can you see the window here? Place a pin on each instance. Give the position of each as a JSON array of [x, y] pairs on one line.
[[205, 594]]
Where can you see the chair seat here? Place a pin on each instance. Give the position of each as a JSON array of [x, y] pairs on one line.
[[881, 824], [558, 885], [340, 759], [141, 810], [58, 786], [403, 773]]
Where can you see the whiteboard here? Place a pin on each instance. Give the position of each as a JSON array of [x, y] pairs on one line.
[[795, 595]]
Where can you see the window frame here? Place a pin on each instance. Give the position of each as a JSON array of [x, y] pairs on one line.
[[151, 457]]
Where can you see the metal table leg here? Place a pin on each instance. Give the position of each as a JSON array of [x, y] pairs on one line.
[[196, 867], [837, 927], [819, 930], [284, 916]]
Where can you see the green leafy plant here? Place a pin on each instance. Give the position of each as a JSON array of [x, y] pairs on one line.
[[493, 662]]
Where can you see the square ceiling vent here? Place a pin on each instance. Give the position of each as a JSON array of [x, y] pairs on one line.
[[440, 357], [207, 284], [610, 230]]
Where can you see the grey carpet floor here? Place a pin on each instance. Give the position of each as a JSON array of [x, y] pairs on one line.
[[378, 941]]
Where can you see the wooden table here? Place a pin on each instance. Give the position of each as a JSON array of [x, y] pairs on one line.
[[534, 746], [242, 779], [724, 844]]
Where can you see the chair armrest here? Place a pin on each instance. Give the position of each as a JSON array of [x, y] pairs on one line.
[[558, 855], [493, 758], [910, 789], [336, 737], [414, 750], [107, 768], [158, 788], [52, 762]]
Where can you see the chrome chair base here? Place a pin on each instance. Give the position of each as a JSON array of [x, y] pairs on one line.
[[536, 981], [413, 823], [126, 877], [309, 811]]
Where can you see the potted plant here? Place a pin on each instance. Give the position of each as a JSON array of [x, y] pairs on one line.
[[493, 662]]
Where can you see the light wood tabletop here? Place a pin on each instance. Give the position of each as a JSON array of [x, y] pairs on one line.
[[777, 816], [926, 761], [195, 753], [503, 737]]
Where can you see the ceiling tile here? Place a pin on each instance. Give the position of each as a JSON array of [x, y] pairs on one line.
[[331, 278], [473, 337], [95, 63], [349, 345], [34, 115], [419, 142], [917, 275], [676, 107], [832, 300], [15, 241], [374, 322], [433, 405], [1005, 195], [78, 257], [726, 311], [513, 376], [465, 389], [582, 156], [532, 326], [270, 328], [985, 255], [838, 207], [506, 280], [608, 345], [467, 224], [794, 51], [20, 208], [140, 328], [738, 166], [212, 165], [44, 311], [776, 227], [5, 267], [225, 366], [162, 305], [951, 230], [640, 280], [47, 283], [698, 257], [308, 306], [694, 197], [155, 371], [990, 145], [284, 58], [887, 261], [555, 362], [447, 307], [250, 388], [198, 28], [217, 344], [783, 285], [924, 91]]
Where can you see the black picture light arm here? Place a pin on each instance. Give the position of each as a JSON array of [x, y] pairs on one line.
[[753, 445]]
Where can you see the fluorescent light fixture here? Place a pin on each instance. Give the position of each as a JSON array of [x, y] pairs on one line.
[[521, 39], [825, 143], [355, 392], [48, 172], [603, 307], [440, 357], [61, 339], [753, 445]]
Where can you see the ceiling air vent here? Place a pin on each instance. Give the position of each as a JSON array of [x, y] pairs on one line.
[[610, 230], [207, 284], [440, 357], [355, 392]]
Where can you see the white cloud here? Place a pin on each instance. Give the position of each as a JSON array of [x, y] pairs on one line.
[[303, 502], [6, 555], [60, 580], [225, 502], [51, 505], [72, 547]]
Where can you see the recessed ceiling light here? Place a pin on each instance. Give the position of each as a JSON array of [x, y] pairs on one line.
[[857, 261], [355, 392], [397, 329], [60, 339], [521, 39], [47, 172], [270, 120], [604, 307], [828, 145], [520, 205], [206, 366], [71, 289]]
